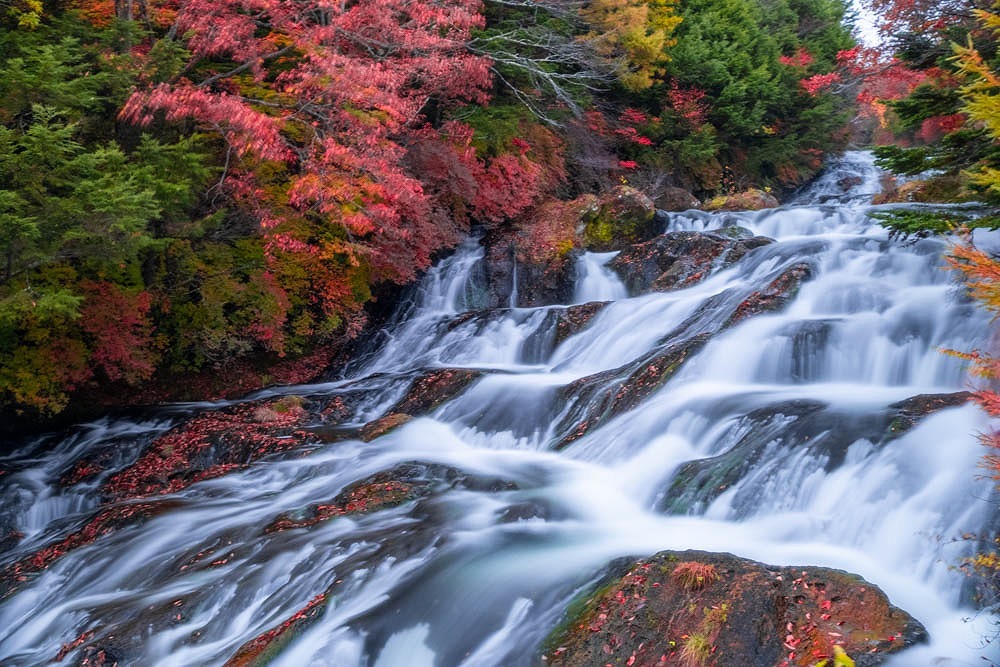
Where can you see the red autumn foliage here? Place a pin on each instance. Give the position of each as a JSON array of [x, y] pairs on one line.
[[121, 334], [633, 117], [508, 187], [936, 127], [981, 272], [332, 97], [818, 82], [900, 16], [801, 58], [690, 103]]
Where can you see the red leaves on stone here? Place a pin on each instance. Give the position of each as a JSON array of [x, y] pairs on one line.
[[208, 446]]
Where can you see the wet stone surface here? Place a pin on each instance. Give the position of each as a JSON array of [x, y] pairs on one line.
[[696, 608]]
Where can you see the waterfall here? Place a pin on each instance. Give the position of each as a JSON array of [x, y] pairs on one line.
[[784, 410], [596, 281]]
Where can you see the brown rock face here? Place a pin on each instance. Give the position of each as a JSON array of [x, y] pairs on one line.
[[433, 388], [210, 445], [576, 318], [676, 199], [678, 259], [751, 200], [700, 609], [775, 295]]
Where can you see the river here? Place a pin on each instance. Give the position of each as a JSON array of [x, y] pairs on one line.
[[476, 573]]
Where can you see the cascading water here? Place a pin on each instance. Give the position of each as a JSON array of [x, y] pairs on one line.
[[477, 572]]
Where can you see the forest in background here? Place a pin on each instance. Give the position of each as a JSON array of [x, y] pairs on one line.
[[185, 183]]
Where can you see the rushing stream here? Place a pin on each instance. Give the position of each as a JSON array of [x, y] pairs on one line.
[[478, 573]]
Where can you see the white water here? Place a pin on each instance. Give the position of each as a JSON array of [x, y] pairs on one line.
[[448, 580], [596, 282]]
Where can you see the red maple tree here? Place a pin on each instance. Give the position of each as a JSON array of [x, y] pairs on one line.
[[318, 105]]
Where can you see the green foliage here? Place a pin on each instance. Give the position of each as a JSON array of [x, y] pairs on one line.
[[75, 205], [921, 223], [696, 650], [757, 121], [926, 101]]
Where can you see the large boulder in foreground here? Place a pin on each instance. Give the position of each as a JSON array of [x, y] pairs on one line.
[[698, 609]]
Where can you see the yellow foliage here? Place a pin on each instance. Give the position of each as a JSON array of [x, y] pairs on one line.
[[634, 34]]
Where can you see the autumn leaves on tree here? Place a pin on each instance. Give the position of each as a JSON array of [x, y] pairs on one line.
[[237, 178]]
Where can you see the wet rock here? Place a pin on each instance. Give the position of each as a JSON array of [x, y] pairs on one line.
[[525, 511], [261, 650], [558, 325], [750, 200], [775, 295], [434, 388], [379, 491], [625, 216], [848, 182], [426, 393], [696, 484], [103, 523], [574, 319], [676, 199], [536, 282], [826, 433], [699, 609], [600, 397], [678, 259], [906, 414], [382, 425], [210, 445], [388, 488], [734, 232], [536, 258]]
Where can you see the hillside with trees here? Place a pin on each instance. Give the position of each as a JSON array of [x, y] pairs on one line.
[[188, 183]]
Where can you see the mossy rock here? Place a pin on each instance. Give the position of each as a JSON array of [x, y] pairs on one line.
[[625, 216], [750, 200], [699, 608]]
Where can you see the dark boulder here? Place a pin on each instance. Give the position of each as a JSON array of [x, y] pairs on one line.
[[597, 398], [676, 199], [698, 609], [678, 259], [625, 216], [515, 278], [907, 413], [775, 295]]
